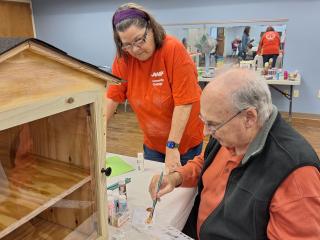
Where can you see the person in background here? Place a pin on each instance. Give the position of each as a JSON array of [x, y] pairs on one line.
[[185, 43], [258, 178], [235, 45], [161, 86], [269, 46], [244, 42]]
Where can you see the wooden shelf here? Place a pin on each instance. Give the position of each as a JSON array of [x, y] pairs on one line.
[[40, 229], [33, 185]]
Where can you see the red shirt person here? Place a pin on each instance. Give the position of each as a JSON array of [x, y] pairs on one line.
[[269, 46], [161, 86]]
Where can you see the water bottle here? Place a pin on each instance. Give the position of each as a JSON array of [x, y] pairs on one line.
[[140, 162]]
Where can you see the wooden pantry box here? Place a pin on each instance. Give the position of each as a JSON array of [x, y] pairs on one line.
[[52, 144]]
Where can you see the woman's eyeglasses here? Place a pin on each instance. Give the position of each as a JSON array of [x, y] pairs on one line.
[[137, 43]]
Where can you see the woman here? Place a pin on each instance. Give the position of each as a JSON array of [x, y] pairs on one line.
[[185, 43], [161, 86], [244, 43], [269, 46]]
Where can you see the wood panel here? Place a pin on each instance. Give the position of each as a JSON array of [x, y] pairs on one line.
[[77, 211], [40, 229], [9, 146], [15, 19], [30, 110], [46, 52], [310, 120], [68, 61], [64, 137], [29, 77], [98, 140], [34, 185]]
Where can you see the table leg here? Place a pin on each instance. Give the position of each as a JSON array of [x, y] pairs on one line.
[[287, 96], [290, 103]]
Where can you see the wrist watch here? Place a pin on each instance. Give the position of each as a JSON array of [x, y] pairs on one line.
[[172, 144]]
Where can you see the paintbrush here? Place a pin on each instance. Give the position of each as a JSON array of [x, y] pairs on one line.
[[156, 200]]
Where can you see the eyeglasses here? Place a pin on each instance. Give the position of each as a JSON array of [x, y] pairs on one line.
[[137, 43], [212, 128]]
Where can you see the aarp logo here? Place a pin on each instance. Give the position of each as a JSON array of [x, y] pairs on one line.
[[157, 74]]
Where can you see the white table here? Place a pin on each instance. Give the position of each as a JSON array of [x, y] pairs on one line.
[[288, 83], [273, 84], [205, 79], [173, 209]]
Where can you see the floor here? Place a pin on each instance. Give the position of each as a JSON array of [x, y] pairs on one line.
[[125, 137]]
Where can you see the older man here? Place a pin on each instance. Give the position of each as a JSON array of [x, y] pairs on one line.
[[258, 177]]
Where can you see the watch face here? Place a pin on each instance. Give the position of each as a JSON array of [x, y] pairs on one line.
[[171, 144]]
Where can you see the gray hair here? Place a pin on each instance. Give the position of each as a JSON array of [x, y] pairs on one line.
[[254, 93]]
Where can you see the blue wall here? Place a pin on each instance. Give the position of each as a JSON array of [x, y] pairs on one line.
[[83, 29]]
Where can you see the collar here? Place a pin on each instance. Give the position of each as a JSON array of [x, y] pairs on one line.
[[259, 141]]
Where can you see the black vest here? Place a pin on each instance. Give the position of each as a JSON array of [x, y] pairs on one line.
[[244, 211]]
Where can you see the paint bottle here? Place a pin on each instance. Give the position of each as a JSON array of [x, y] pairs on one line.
[[278, 75], [122, 203], [116, 202], [122, 187], [285, 75], [140, 162], [111, 210]]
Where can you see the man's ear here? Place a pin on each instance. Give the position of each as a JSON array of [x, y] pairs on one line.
[[251, 117]]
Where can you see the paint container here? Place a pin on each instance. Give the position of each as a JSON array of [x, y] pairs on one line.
[[122, 203], [140, 162], [111, 210], [116, 202], [278, 74], [122, 187]]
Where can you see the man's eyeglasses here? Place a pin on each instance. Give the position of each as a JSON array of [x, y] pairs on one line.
[[212, 128], [137, 43]]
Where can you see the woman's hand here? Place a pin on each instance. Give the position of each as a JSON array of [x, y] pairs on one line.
[[172, 160]]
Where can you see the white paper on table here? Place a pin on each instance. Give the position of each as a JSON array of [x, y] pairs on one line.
[[154, 231], [140, 216], [174, 209], [158, 232]]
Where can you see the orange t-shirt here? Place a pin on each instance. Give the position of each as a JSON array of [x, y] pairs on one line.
[[270, 43], [294, 208], [154, 87]]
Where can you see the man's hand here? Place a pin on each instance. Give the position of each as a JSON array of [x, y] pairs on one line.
[[172, 160], [169, 182]]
